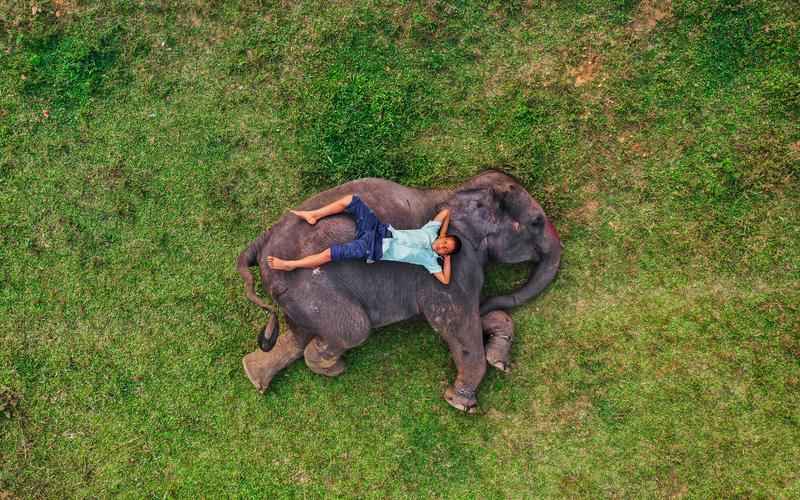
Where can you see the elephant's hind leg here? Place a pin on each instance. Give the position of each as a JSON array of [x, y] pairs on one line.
[[344, 329], [497, 325], [260, 366]]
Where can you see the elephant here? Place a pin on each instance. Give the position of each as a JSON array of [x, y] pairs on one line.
[[331, 309]]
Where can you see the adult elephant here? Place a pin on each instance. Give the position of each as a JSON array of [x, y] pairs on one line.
[[333, 308]]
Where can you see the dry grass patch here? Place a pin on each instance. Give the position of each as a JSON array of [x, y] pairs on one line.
[[587, 71], [648, 14], [64, 7], [522, 65], [588, 212], [672, 486], [540, 67], [526, 68]]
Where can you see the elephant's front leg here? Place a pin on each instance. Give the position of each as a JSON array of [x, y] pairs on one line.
[[499, 328], [462, 332]]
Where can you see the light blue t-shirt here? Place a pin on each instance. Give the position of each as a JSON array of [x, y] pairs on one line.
[[414, 246]]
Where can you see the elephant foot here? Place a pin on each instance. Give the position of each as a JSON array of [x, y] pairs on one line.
[[320, 361], [334, 370], [497, 352], [462, 399], [500, 329], [258, 367]]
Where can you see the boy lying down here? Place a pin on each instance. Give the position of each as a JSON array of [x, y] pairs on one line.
[[378, 241]]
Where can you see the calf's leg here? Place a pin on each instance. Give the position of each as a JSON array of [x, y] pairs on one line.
[[462, 332], [499, 328], [260, 366], [341, 325], [324, 358]]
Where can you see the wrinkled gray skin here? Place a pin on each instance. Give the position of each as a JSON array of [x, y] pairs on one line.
[[335, 307]]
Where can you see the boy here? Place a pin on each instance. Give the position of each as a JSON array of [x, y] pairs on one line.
[[378, 241]]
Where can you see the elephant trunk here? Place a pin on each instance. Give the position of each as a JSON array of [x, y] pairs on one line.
[[541, 275]]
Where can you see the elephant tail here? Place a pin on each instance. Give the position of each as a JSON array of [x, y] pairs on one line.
[[247, 259]]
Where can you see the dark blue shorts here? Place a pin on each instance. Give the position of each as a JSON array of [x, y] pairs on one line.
[[370, 232]]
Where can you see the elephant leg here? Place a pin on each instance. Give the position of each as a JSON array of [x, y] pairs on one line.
[[324, 358], [497, 325], [260, 366], [466, 347], [340, 330], [464, 337]]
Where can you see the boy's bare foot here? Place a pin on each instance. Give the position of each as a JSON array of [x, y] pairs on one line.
[[308, 216], [279, 264]]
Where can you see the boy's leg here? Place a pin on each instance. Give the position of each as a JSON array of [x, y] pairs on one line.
[[337, 207], [353, 250], [309, 262]]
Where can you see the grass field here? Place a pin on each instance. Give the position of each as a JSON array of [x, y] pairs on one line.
[[144, 144]]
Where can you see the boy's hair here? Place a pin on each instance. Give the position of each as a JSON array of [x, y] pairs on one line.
[[457, 243]]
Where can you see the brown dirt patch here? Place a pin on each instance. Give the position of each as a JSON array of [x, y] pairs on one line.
[[586, 213], [58, 8], [496, 82], [9, 402], [649, 13], [62, 7], [535, 70], [401, 16], [673, 487], [574, 413], [539, 67], [587, 71], [495, 415], [195, 20]]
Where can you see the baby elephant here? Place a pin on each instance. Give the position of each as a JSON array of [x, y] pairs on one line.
[[351, 280]]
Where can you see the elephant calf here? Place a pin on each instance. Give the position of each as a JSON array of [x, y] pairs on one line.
[[334, 308]]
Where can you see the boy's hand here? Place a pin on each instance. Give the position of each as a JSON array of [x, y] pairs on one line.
[[444, 217], [444, 274]]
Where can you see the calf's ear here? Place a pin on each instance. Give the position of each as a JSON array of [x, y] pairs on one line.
[[473, 214]]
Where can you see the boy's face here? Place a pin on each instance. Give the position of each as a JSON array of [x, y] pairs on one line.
[[444, 246]]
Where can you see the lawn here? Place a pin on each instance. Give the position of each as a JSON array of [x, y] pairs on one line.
[[144, 144]]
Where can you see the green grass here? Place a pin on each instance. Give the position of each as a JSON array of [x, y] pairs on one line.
[[144, 144]]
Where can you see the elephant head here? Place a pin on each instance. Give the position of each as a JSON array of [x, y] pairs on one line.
[[505, 224]]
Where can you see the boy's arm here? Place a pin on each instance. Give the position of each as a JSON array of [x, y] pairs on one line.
[[444, 275], [444, 218]]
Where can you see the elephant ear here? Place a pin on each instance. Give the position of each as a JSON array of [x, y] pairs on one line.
[[473, 214], [512, 200], [516, 204]]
